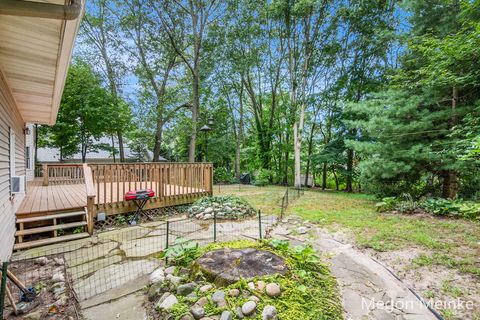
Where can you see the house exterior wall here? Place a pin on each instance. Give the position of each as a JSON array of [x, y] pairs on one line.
[[10, 122]]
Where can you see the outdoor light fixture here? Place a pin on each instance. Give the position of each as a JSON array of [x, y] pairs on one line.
[[26, 131], [205, 129]]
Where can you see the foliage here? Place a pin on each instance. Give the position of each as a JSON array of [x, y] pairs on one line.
[[262, 178], [308, 291], [455, 208], [182, 252], [223, 175], [87, 112]]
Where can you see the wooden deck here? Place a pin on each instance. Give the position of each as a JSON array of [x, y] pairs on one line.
[[66, 197], [52, 198]]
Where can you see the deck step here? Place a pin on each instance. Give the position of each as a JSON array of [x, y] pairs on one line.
[[51, 217], [50, 228], [44, 242]]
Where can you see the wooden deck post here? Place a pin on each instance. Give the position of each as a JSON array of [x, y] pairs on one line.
[[45, 174], [90, 189]]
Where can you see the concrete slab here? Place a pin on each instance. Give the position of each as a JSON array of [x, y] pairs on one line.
[[128, 308]]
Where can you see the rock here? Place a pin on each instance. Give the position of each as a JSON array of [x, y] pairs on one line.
[[187, 317], [261, 285], [58, 261], [185, 289], [302, 230], [218, 296], [37, 315], [58, 289], [207, 216], [206, 288], [197, 311], [41, 261], [269, 313], [175, 281], [251, 285], [219, 299], [273, 290], [208, 210], [157, 276], [202, 301], [61, 301], [170, 270], [58, 277], [249, 307], [168, 303], [254, 298], [234, 293], [183, 272], [226, 315], [239, 313], [155, 290]]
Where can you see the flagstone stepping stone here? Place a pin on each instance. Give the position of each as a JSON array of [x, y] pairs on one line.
[[226, 266], [143, 247]]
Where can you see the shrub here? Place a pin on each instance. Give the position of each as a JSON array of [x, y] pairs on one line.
[[222, 175], [263, 177], [455, 208]]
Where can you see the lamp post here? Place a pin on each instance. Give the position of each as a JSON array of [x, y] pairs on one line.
[[205, 129]]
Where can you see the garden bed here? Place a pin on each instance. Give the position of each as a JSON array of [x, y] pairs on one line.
[[302, 289], [223, 207]]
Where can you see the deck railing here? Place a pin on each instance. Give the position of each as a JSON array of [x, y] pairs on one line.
[[106, 184], [62, 174]]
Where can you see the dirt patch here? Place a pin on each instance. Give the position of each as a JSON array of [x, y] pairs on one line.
[[47, 277], [455, 295]]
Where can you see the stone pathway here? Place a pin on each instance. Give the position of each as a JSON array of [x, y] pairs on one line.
[[368, 290]]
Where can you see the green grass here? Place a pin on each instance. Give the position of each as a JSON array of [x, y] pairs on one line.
[[267, 199], [448, 242]]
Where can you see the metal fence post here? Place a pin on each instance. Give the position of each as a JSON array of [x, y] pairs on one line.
[[286, 194], [167, 240], [260, 223], [214, 226], [3, 288], [167, 235]]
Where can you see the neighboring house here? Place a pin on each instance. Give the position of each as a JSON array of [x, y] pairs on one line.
[[52, 155], [36, 41]]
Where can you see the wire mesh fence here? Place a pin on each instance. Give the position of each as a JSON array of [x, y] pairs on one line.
[[64, 274], [290, 195]]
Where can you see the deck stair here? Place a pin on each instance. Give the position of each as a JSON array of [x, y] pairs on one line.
[[51, 228]]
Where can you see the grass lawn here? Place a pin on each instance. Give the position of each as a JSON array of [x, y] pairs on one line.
[[448, 242], [427, 251]]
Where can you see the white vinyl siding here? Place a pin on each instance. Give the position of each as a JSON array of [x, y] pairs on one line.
[[10, 119]]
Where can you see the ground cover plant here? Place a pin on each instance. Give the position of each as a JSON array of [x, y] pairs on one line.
[[307, 291]]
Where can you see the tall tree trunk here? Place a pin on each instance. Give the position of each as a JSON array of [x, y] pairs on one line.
[[121, 150], [113, 149], [195, 110], [350, 155], [310, 148], [237, 161], [158, 141], [336, 178], [450, 183], [324, 176]]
